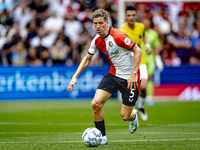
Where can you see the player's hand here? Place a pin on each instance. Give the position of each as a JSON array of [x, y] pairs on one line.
[[159, 62], [148, 50], [70, 86], [132, 82]]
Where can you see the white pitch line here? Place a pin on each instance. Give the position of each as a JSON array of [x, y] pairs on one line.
[[189, 139], [175, 125], [180, 133], [39, 123], [33, 132], [110, 132], [114, 141], [61, 124], [91, 124]]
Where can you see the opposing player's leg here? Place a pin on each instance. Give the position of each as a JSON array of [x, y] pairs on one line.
[[150, 84], [99, 100], [143, 92]]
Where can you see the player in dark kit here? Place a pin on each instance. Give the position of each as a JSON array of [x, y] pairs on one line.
[[123, 74]]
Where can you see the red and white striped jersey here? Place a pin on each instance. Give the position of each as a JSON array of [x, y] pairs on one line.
[[115, 46]]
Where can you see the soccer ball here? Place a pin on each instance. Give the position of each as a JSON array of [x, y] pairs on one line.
[[92, 137]]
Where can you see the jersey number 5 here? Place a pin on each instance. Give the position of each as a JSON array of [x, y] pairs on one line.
[[131, 95]]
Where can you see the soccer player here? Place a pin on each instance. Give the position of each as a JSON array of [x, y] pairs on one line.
[[122, 76], [154, 58], [136, 31]]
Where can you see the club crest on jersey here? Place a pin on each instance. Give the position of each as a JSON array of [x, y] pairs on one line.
[[127, 41], [110, 43]]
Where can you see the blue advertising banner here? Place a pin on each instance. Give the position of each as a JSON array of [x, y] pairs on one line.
[[18, 83], [24, 83]]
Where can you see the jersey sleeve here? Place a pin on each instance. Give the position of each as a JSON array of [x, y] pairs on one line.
[[92, 50], [123, 40]]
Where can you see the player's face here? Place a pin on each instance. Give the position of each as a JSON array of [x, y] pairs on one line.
[[101, 26], [147, 23], [131, 16]]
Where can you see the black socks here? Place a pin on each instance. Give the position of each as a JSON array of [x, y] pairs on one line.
[[101, 126]]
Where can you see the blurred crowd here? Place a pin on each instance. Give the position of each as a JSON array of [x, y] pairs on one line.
[[178, 27], [49, 32]]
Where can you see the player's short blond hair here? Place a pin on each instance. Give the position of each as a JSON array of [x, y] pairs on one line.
[[100, 13]]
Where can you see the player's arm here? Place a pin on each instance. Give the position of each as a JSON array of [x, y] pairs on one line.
[[157, 50], [132, 79], [146, 43], [84, 63]]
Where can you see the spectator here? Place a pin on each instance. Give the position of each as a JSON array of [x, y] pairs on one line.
[[38, 5], [82, 45], [89, 28], [32, 58], [174, 8], [53, 24], [73, 27], [72, 5], [22, 15], [6, 19], [43, 39], [196, 31], [174, 60], [2, 36], [58, 7], [186, 19], [162, 21], [195, 57], [86, 14], [165, 55], [7, 50], [194, 60], [32, 32], [6, 5], [182, 45], [60, 51], [166, 50], [156, 14], [2, 41], [15, 32], [19, 55], [42, 43], [44, 55]]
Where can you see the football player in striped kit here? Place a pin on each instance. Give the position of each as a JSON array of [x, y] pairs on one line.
[[122, 76]]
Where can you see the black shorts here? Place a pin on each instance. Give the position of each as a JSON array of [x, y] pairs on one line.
[[112, 84]]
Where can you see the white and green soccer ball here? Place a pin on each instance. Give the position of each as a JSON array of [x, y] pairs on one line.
[[92, 137]]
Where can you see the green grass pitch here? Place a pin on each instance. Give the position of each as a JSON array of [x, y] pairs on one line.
[[59, 125]]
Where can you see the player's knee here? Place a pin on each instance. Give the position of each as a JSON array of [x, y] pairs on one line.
[[150, 78], [125, 117], [96, 106], [143, 84], [142, 87], [93, 103], [143, 93]]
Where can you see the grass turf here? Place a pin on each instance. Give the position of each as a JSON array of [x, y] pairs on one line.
[[60, 124]]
